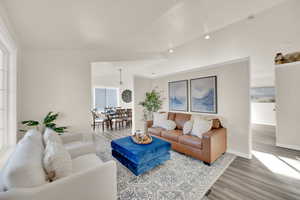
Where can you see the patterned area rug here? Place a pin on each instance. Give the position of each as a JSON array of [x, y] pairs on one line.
[[181, 178]]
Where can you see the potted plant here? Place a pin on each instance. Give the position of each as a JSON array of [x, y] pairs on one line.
[[152, 103], [48, 122]]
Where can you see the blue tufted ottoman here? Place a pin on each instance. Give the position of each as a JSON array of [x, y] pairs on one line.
[[140, 158]]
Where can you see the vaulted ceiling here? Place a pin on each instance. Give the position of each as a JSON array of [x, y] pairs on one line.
[[123, 25]]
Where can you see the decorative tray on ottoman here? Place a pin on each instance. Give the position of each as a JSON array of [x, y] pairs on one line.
[[141, 139]]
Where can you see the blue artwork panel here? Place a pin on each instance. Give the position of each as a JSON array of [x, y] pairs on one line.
[[178, 96], [204, 95]]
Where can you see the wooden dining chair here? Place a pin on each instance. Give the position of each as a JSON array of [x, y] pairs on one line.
[[99, 120], [118, 119], [128, 117]]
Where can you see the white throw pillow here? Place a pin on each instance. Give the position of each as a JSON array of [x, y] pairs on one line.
[[159, 118], [35, 135], [57, 161], [187, 127], [24, 168], [51, 135], [168, 125], [201, 126]]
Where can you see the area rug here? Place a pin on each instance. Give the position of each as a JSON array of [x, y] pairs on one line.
[[181, 178]]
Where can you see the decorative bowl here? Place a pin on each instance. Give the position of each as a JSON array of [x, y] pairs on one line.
[[141, 139]]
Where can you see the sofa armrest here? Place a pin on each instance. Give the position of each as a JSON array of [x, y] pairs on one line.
[[149, 123], [97, 183], [214, 144], [71, 137]]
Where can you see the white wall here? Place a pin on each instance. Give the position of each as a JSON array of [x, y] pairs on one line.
[[287, 107], [233, 100], [263, 113], [275, 30], [56, 81], [105, 74], [141, 85]]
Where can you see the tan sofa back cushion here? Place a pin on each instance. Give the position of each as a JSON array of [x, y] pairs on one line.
[[180, 119], [171, 116]]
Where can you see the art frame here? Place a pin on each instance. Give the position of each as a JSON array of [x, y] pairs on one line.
[[266, 94], [211, 106], [178, 101]]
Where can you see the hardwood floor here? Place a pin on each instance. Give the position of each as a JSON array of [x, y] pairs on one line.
[[273, 173]]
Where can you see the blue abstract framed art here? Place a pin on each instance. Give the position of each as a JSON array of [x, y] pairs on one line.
[[204, 95], [178, 96]]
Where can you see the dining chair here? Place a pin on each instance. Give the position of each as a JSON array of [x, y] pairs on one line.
[[118, 119], [99, 120], [128, 117]]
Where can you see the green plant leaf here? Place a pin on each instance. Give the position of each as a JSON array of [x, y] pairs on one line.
[[50, 125], [152, 102], [60, 129], [50, 117], [30, 123]]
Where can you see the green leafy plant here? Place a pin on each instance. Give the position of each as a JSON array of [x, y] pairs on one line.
[[152, 103], [48, 122]]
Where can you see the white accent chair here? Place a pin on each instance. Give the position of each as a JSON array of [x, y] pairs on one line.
[[78, 144], [91, 179]]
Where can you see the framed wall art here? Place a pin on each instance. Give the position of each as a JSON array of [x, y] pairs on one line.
[[178, 96], [203, 93]]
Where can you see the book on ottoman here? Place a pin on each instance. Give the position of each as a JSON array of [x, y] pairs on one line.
[[140, 158]]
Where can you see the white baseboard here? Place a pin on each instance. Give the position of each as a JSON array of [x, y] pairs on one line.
[[264, 124], [288, 146], [240, 154]]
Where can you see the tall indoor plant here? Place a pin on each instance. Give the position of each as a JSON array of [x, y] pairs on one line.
[[152, 103]]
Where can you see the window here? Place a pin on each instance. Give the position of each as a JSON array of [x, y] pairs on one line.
[[3, 101], [106, 97], [8, 91]]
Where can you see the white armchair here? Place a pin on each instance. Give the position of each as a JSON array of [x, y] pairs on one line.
[[23, 177], [98, 182], [78, 144]]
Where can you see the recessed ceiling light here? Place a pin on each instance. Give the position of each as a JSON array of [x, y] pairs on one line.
[[207, 37], [171, 50]]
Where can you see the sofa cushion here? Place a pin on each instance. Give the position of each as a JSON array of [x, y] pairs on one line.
[[171, 116], [201, 126], [168, 125], [36, 136], [57, 161], [191, 140], [216, 124], [80, 148], [24, 168], [187, 128], [171, 135], [180, 119], [85, 162], [158, 118], [155, 131], [50, 134]]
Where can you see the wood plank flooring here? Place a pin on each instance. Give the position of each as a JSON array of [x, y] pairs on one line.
[[262, 177]]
